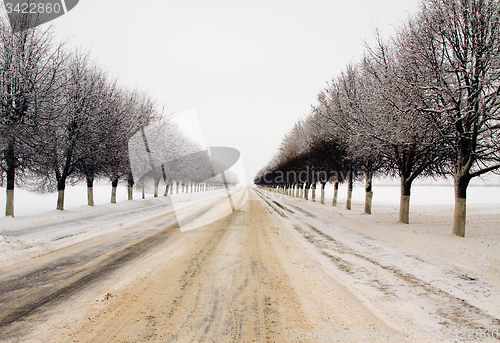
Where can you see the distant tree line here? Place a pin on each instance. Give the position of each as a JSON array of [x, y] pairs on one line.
[[64, 120], [423, 103]]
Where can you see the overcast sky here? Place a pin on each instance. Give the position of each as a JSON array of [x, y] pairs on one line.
[[249, 69]]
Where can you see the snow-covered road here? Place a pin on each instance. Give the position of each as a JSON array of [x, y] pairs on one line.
[[423, 295]]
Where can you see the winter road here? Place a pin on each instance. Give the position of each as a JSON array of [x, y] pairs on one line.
[[269, 272]]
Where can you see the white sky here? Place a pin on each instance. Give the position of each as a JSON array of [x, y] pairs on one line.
[[250, 69], [188, 123]]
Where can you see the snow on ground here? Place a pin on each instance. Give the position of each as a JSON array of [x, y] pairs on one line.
[[430, 225], [419, 271], [36, 234], [430, 215], [28, 203]]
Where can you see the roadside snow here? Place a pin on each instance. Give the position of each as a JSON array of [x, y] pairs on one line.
[[29, 236]]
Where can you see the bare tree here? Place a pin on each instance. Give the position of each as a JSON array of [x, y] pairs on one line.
[[349, 109], [132, 111], [455, 44], [340, 126], [68, 139], [409, 144], [30, 66], [92, 151]]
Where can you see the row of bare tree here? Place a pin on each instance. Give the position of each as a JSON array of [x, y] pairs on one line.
[[63, 119], [425, 102]]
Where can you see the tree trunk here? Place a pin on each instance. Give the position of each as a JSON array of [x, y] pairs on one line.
[[156, 184], [313, 186], [335, 192], [11, 175], [306, 191], [164, 180], [404, 205], [348, 204], [167, 185], [368, 192], [114, 184], [60, 199], [9, 208], [130, 182], [459, 217], [90, 190], [61, 186], [143, 192], [177, 187], [323, 185]]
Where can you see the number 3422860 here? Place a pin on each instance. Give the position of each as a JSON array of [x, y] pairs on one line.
[[33, 8]]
